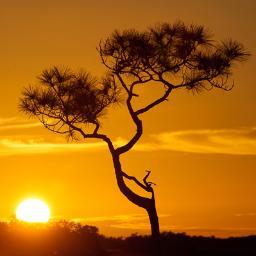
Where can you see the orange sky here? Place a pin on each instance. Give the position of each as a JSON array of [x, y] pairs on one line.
[[200, 148]]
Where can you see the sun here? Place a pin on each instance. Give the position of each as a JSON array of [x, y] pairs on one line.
[[33, 211]]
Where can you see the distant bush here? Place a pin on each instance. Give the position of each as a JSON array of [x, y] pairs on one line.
[[61, 238]]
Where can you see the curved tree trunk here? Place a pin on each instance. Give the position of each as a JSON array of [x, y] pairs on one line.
[[146, 203]]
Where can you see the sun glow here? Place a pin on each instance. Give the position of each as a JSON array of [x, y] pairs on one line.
[[33, 210]]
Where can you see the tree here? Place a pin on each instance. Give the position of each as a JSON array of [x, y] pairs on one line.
[[172, 56]]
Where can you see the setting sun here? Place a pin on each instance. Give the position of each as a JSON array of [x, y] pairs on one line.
[[33, 210]]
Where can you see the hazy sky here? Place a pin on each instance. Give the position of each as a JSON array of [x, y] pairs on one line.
[[200, 148]]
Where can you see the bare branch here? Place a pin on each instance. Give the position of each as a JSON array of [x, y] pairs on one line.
[[154, 103], [145, 187], [148, 183]]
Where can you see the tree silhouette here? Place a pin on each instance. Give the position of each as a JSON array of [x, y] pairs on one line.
[[172, 56]]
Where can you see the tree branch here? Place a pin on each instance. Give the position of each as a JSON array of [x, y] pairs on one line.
[[148, 183], [135, 119], [154, 103], [145, 187]]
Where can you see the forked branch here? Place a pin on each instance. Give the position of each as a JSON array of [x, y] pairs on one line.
[[146, 185]]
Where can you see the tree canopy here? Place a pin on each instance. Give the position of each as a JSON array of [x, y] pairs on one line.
[[67, 98], [177, 56]]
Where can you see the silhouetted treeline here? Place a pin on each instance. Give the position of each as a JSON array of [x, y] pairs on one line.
[[64, 238]]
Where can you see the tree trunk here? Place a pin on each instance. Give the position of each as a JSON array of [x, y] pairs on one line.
[[155, 231], [147, 203]]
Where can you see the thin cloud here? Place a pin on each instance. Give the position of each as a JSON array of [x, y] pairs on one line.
[[247, 214], [31, 146], [7, 120], [118, 218], [125, 221], [205, 141], [25, 145], [21, 145], [224, 141], [14, 123]]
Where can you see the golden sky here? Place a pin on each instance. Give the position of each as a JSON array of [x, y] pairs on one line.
[[201, 148]]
